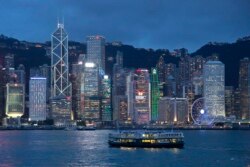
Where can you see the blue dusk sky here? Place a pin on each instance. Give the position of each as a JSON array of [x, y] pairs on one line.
[[143, 23]]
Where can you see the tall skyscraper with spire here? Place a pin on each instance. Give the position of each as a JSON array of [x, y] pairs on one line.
[[59, 62], [60, 85]]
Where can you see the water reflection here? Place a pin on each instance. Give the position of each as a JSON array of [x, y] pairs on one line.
[[90, 148], [153, 149], [175, 150], [128, 148]]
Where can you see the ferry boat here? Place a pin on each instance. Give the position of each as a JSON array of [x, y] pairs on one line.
[[147, 139]]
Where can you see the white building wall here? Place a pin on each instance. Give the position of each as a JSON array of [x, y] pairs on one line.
[[37, 99], [214, 88]]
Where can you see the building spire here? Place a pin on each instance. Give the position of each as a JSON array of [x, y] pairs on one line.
[[60, 25]]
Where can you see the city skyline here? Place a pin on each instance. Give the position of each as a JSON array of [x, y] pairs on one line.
[[149, 24], [82, 71], [125, 83]]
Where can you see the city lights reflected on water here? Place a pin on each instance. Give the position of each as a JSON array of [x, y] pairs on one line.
[[175, 150], [128, 148], [90, 148]]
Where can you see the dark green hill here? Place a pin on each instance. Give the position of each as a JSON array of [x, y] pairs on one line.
[[230, 54], [34, 54]]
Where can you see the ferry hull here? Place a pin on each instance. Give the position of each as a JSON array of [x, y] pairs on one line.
[[147, 145]]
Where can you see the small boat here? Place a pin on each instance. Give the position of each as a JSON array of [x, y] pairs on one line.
[[147, 139]]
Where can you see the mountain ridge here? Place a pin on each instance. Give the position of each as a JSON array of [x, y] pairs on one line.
[[33, 54]]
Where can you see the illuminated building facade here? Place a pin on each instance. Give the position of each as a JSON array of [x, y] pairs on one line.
[[60, 86], [76, 78], [2, 89], [59, 62], [129, 114], [96, 50], [141, 97], [171, 76], [106, 99], [229, 101], [119, 91], [199, 62], [20, 74], [9, 61], [155, 94], [94, 69], [214, 88], [244, 87], [90, 93], [37, 99], [197, 82], [173, 110], [171, 69], [185, 67], [45, 72], [170, 86], [15, 95], [237, 101], [123, 117], [161, 68], [61, 107]]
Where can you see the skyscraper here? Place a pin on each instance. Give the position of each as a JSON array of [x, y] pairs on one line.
[[170, 86], [9, 61], [171, 69], [244, 87], [14, 100], [173, 110], [45, 72], [229, 101], [155, 94], [161, 68], [2, 89], [237, 100], [37, 99], [75, 79], [214, 88], [90, 93], [20, 73], [119, 96], [59, 62], [60, 86], [141, 94], [96, 51], [106, 99], [94, 71]]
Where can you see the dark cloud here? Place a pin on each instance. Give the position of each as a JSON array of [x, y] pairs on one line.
[[142, 23]]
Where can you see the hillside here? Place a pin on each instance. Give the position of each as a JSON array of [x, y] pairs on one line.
[[35, 54], [230, 54]]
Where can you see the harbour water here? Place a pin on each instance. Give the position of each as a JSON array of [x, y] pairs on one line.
[[90, 148]]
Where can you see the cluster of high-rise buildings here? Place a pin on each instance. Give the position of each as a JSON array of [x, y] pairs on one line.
[[55, 93], [167, 93], [164, 94]]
